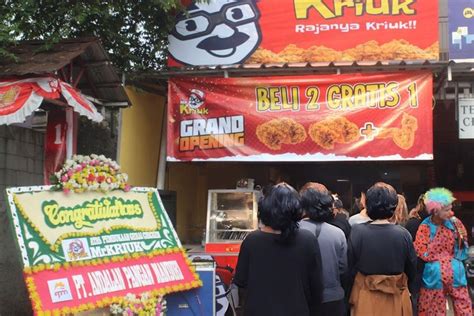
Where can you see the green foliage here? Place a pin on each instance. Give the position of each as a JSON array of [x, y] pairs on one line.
[[134, 33]]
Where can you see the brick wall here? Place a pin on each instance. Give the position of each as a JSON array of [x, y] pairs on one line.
[[21, 163]]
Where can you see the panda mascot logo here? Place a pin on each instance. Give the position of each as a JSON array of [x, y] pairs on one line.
[[220, 32]]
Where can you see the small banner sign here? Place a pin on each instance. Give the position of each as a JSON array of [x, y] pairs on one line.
[[223, 32], [383, 116], [461, 30], [466, 118], [54, 142], [84, 250]]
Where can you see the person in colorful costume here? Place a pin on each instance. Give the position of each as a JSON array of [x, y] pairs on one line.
[[441, 241]]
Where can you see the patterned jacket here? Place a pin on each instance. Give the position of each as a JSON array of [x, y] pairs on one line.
[[443, 248]]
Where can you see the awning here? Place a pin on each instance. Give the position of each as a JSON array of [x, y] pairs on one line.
[[20, 97]]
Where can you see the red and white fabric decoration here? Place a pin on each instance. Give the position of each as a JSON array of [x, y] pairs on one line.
[[20, 97]]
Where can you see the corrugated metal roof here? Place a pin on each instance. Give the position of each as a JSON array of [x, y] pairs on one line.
[[98, 78], [444, 71], [293, 69]]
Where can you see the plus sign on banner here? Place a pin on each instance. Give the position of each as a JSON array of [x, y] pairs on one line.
[[384, 116]]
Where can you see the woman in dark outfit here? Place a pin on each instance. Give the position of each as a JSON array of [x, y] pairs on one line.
[[383, 257], [416, 216], [340, 218], [280, 265]]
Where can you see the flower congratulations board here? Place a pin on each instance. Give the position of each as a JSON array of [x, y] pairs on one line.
[[90, 249], [383, 116], [223, 32]]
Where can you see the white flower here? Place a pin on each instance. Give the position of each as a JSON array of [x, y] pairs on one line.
[[145, 297], [116, 309], [130, 297], [104, 186]]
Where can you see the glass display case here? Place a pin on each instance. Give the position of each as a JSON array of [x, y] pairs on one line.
[[231, 215]]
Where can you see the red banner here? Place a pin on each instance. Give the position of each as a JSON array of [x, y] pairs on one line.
[[55, 142], [64, 289], [221, 32], [383, 116], [20, 97]]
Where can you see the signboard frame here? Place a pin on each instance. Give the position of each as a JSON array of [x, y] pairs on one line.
[[60, 282], [465, 116]]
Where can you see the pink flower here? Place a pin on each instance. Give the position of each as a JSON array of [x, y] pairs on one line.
[[64, 178], [79, 168], [84, 165], [70, 172], [127, 188], [66, 191]]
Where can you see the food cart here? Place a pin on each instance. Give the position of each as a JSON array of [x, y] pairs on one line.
[[231, 216]]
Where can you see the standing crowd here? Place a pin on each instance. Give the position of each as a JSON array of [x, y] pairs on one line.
[[306, 258]]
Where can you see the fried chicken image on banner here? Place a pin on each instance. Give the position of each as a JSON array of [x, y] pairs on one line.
[[404, 136], [323, 134], [396, 49], [348, 132], [409, 122], [276, 132], [295, 132], [328, 132]]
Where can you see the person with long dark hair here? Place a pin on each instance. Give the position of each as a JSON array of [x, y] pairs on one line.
[[415, 218], [317, 203], [383, 258], [279, 265]]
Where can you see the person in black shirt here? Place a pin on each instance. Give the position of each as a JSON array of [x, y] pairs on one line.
[[383, 256], [280, 265], [416, 216], [340, 218]]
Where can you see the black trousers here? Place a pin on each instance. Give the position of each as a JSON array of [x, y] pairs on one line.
[[335, 308]]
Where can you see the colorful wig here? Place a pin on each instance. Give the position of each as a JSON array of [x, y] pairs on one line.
[[437, 198]]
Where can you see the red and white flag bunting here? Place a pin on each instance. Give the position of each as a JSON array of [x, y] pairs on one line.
[[19, 98]]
